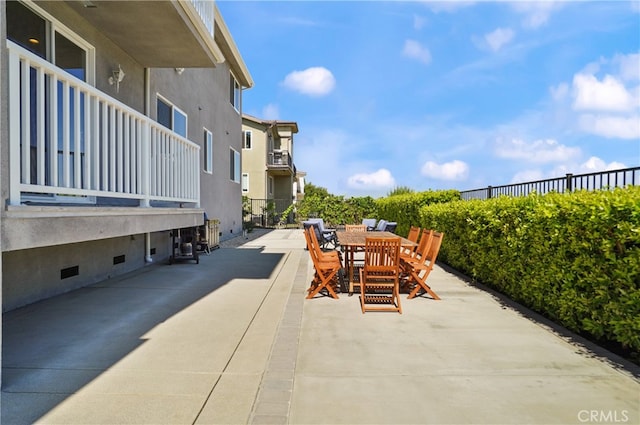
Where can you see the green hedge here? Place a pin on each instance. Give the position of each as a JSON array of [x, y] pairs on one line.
[[405, 209], [574, 257]]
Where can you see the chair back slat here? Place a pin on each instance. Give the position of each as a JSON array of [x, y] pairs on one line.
[[355, 227], [382, 256], [414, 233]]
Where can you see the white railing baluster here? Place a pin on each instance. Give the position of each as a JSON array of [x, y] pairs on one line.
[[104, 183], [68, 138], [54, 132], [112, 149], [14, 128], [40, 127], [77, 152], [93, 145], [66, 118], [26, 124]]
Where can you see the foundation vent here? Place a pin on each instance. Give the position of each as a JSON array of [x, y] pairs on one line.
[[118, 259], [69, 272]]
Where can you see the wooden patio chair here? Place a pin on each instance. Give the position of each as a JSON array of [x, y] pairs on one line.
[[327, 265], [425, 240], [379, 277], [419, 267], [325, 236], [355, 227], [414, 234]]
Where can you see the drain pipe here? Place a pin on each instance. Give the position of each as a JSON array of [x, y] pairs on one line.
[[147, 236], [147, 248]]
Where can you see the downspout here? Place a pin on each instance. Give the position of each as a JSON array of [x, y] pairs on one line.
[[147, 101]]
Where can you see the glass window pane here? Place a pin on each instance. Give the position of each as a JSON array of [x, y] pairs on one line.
[[70, 57], [179, 122], [26, 28], [164, 114]]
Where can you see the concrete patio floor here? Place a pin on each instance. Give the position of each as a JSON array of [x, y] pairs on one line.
[[233, 340]]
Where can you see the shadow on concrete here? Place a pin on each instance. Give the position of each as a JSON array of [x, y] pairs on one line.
[[52, 348]]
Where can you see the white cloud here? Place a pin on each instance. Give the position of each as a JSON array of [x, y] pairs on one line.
[[379, 179], [611, 126], [413, 49], [629, 65], [418, 22], [270, 112], [591, 165], [498, 38], [595, 164], [455, 170], [527, 176], [537, 13], [315, 81], [560, 92], [539, 151], [606, 95]]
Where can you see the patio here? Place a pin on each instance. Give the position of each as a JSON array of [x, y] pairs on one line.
[[232, 340]]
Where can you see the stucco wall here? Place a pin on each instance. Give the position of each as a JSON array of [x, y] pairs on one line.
[[203, 94], [35, 274], [254, 161]]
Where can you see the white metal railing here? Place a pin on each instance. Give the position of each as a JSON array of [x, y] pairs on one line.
[[67, 138], [206, 10]]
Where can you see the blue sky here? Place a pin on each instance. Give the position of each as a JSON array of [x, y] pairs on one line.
[[444, 95]]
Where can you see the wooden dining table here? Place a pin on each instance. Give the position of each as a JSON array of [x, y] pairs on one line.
[[352, 242]]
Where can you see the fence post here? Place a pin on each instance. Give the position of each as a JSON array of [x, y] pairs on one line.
[[489, 192], [569, 182]]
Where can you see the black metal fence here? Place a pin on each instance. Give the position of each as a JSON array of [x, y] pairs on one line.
[[570, 182], [267, 212]]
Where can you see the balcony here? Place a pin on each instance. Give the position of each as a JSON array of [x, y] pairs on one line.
[[174, 34], [280, 161], [77, 141], [70, 144]]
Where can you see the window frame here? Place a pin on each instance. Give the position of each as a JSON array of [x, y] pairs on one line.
[[234, 92], [246, 133], [174, 110], [234, 165], [208, 151]]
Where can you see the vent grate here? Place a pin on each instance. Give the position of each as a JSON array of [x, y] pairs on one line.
[[69, 272]]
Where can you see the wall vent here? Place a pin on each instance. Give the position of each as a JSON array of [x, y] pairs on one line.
[[69, 272], [118, 259]]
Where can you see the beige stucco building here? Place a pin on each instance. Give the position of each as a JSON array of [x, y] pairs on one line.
[[120, 121], [268, 169]]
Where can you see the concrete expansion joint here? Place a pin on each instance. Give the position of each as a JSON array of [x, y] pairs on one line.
[[273, 400]]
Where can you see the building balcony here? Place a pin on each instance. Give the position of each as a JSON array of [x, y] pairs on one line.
[[73, 146], [280, 161], [174, 34]]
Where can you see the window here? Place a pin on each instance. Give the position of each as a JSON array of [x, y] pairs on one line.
[[234, 92], [270, 188], [38, 32], [245, 182], [208, 151], [171, 117], [246, 140], [234, 165]]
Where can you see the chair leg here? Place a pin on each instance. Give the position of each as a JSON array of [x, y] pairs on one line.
[[421, 284]]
